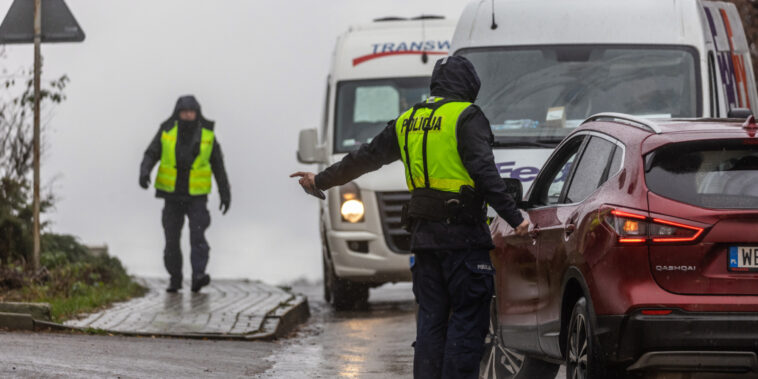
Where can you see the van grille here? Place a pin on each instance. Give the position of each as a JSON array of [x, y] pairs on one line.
[[390, 209]]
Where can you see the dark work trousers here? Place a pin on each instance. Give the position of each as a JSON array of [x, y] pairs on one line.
[[453, 289], [174, 212]]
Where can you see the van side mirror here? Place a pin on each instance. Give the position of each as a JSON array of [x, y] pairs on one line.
[[741, 113], [307, 149], [515, 189]]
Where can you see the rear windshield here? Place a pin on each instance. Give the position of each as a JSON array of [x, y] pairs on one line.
[[713, 174]]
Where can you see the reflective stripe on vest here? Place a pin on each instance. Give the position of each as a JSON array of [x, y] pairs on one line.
[[428, 143], [200, 173]]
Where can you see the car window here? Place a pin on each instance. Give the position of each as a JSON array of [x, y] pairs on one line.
[[590, 169], [549, 185], [618, 155], [721, 174]]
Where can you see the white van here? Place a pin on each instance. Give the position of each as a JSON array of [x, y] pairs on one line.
[[547, 65], [378, 71]]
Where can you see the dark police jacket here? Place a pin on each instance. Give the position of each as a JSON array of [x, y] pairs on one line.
[[457, 80], [187, 149]]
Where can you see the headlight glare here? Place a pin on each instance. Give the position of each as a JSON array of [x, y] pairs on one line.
[[352, 211]]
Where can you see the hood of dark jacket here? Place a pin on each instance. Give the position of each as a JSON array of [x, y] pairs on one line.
[[187, 102], [455, 78]]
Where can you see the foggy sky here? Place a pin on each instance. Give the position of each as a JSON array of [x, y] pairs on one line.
[[258, 69]]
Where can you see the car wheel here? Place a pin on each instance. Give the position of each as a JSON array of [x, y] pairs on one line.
[[500, 362], [343, 294], [583, 357]]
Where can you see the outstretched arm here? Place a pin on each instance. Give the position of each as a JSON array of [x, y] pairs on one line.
[[382, 150], [475, 147]]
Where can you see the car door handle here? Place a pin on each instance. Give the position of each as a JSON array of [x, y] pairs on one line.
[[570, 228], [535, 232]]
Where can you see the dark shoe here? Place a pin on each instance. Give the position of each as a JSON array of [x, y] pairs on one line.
[[174, 285], [199, 282]]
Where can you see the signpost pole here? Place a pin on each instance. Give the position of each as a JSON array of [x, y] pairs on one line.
[[37, 69]]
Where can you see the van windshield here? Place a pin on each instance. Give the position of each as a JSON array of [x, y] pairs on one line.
[[535, 96], [365, 106]]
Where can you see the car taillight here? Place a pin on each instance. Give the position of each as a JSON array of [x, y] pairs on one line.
[[635, 228]]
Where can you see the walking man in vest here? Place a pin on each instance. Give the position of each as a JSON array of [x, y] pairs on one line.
[[445, 144], [189, 155]]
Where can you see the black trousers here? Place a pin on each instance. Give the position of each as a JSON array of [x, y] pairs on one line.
[[174, 212], [454, 290]]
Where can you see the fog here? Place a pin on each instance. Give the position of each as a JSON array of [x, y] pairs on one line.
[[258, 69]]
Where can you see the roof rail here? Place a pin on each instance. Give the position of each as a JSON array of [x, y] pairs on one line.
[[428, 17], [625, 119], [390, 18]]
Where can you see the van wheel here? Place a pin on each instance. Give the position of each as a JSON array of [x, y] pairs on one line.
[[343, 294], [583, 356], [500, 362]]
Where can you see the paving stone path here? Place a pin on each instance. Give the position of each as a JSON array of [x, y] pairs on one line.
[[225, 309]]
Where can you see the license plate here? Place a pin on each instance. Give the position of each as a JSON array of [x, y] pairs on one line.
[[743, 258]]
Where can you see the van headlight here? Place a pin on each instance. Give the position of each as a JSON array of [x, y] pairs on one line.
[[351, 208]]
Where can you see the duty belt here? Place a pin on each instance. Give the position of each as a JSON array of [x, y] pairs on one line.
[[465, 207]]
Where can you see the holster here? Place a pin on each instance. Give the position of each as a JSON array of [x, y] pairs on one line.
[[464, 207]]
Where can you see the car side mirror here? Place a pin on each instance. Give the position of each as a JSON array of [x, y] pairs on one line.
[[307, 149], [515, 189], [741, 113]]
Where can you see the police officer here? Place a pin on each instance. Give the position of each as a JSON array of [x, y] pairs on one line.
[[445, 144], [189, 155]]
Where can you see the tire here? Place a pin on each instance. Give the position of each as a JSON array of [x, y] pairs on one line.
[[499, 362], [584, 359], [343, 294]]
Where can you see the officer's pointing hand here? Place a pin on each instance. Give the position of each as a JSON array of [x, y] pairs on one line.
[[307, 180], [523, 229]]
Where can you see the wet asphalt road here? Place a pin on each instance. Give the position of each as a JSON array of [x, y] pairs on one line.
[[372, 343]]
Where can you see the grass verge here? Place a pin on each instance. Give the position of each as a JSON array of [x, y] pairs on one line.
[[73, 281]]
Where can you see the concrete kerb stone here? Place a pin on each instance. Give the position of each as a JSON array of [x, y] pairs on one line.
[[290, 318], [16, 321], [38, 311]]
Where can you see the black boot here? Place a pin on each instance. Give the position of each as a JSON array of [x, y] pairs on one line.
[[200, 281], [174, 285]]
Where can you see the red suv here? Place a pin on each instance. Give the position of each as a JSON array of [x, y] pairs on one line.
[[643, 256]]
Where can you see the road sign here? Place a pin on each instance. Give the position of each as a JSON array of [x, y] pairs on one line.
[[58, 23]]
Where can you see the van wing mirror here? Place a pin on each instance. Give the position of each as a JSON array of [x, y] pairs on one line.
[[515, 189], [741, 113], [308, 150]]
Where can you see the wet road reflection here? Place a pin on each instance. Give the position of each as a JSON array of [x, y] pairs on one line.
[[371, 343]]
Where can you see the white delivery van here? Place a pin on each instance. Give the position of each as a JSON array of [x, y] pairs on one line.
[[547, 65], [378, 71]]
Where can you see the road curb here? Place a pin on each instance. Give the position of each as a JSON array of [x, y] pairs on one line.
[[16, 321], [291, 318], [38, 311]]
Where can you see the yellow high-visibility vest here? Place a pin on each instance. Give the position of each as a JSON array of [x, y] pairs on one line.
[[428, 143], [200, 172]]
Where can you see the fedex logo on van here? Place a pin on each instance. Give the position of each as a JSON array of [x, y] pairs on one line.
[[386, 49], [524, 173]]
